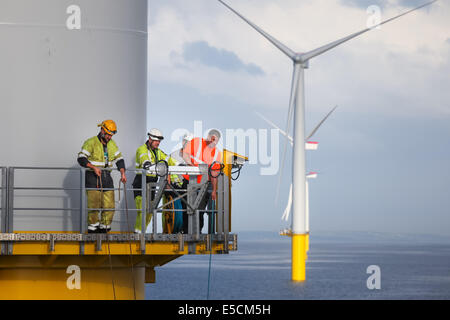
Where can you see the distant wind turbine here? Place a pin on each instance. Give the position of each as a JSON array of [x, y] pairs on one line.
[[291, 141], [308, 146], [297, 107]]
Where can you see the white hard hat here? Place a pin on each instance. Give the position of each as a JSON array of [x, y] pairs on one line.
[[214, 132], [155, 134], [188, 137]]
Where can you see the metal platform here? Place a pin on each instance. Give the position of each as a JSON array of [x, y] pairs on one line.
[[60, 216], [176, 243]]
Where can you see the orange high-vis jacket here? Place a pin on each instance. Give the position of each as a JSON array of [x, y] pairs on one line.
[[200, 153]]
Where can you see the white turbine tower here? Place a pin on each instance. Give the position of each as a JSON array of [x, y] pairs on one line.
[[297, 106], [309, 145]]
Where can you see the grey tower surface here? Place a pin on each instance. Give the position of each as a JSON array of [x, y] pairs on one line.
[[57, 82]]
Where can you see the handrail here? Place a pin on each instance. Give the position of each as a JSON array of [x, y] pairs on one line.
[[9, 188], [3, 202]]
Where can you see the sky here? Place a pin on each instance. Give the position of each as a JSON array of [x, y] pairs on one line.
[[383, 160]]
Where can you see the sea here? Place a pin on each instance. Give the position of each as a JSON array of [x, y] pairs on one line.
[[340, 266]]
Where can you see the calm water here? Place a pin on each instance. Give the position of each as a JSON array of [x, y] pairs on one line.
[[411, 268]]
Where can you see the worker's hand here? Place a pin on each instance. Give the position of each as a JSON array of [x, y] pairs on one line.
[[123, 179], [146, 165], [97, 171], [214, 195]]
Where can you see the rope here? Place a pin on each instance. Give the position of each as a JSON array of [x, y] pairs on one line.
[[211, 217], [129, 239], [210, 169], [172, 203], [238, 173], [209, 274], [181, 197], [107, 238]]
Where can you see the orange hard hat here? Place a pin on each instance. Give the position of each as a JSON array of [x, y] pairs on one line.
[[109, 126]]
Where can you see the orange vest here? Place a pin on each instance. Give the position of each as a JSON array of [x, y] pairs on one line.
[[200, 153]]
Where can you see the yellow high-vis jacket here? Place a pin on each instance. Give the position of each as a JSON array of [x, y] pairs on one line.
[[145, 154], [94, 151]]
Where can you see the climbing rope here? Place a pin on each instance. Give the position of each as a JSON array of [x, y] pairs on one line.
[[238, 171], [211, 217], [129, 239], [220, 170], [107, 238]]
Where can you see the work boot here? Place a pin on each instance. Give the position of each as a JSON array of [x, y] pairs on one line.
[[93, 228], [104, 229]]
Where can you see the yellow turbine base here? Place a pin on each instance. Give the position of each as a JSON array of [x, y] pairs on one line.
[[299, 257], [55, 284]]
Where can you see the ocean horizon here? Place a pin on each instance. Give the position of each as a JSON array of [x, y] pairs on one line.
[[340, 266]]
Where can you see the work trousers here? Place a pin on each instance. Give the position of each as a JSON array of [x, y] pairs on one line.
[[100, 200], [206, 204], [148, 216], [137, 184]]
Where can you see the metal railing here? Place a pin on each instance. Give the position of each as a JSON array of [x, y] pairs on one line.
[[4, 204], [192, 197]]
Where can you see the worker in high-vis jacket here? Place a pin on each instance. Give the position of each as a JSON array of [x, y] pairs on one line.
[[205, 151], [147, 155], [98, 154]]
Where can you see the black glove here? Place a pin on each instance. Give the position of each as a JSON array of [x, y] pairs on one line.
[[146, 165]]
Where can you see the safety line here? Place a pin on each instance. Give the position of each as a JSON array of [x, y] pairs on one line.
[[211, 217], [107, 238], [129, 242]]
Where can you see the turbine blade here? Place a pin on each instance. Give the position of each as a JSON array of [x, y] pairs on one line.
[[275, 126], [275, 42], [287, 211], [313, 53], [294, 87], [320, 123]]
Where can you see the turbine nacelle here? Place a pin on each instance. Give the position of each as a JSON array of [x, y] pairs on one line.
[[299, 58]]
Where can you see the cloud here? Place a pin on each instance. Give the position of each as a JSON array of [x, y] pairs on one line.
[[364, 3], [202, 52], [401, 64], [412, 3], [390, 85], [382, 3]]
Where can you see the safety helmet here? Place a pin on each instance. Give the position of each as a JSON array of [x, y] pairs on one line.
[[155, 134], [109, 126], [214, 132]]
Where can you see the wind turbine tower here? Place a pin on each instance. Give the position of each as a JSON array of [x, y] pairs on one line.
[[297, 112]]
